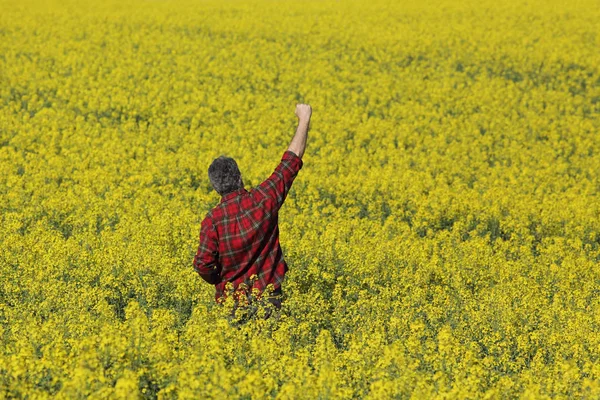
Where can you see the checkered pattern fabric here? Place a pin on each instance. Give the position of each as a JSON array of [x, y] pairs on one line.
[[240, 236]]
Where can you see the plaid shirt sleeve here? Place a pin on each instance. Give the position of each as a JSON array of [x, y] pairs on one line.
[[277, 186], [206, 258]]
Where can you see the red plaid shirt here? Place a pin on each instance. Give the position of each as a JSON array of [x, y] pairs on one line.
[[240, 236]]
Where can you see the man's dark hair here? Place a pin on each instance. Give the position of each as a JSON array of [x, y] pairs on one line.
[[224, 175]]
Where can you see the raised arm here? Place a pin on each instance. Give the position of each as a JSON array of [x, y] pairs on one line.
[[276, 187], [298, 145]]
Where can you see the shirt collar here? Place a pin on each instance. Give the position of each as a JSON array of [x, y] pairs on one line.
[[233, 194]]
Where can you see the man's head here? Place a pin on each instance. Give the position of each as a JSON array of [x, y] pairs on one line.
[[225, 175]]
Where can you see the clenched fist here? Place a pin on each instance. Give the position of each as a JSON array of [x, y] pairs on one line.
[[303, 112]]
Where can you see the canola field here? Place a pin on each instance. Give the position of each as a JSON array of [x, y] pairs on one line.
[[443, 236]]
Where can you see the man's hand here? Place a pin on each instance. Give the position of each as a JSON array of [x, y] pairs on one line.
[[303, 112]]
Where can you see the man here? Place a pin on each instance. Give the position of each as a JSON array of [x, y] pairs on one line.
[[239, 238]]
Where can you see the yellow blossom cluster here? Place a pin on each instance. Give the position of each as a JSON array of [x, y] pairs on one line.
[[443, 235]]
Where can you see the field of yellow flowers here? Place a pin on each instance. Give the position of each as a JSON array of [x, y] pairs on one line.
[[443, 236]]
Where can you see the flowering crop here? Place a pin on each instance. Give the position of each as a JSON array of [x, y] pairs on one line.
[[443, 236]]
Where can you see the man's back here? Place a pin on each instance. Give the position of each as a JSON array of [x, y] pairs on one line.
[[243, 228]]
